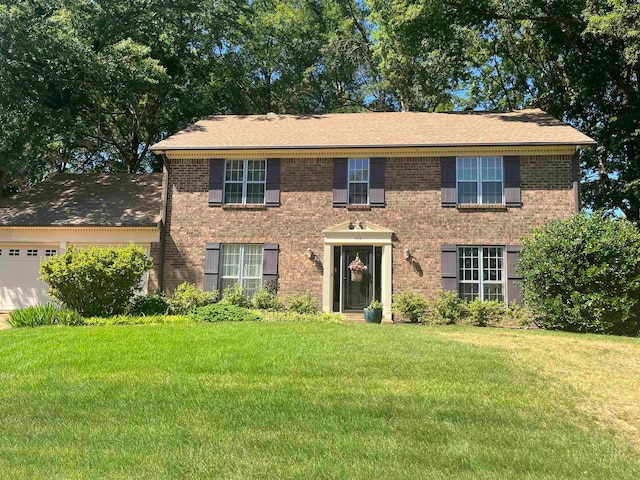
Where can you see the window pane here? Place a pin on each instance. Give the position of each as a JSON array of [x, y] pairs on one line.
[[491, 168], [469, 291], [255, 193], [358, 169], [358, 194], [250, 285], [467, 169], [227, 282], [233, 193], [256, 171], [233, 169], [492, 264], [493, 292], [467, 192], [252, 261], [230, 261], [491, 192]]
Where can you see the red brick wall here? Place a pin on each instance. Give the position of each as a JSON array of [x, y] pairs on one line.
[[413, 212]]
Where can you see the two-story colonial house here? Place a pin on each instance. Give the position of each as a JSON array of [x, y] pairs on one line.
[[427, 201]]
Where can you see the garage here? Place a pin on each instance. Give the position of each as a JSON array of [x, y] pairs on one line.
[[74, 210], [19, 271]]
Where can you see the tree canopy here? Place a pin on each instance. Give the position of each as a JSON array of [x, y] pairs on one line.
[[91, 84]]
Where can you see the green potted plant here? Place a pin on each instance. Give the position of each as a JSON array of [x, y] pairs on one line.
[[373, 313]]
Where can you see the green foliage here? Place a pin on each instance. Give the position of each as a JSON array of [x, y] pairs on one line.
[[412, 306], [483, 313], [95, 281], [285, 316], [151, 304], [305, 303], [375, 305], [449, 308], [521, 314], [235, 295], [136, 320], [583, 275], [187, 296], [223, 312], [42, 315], [266, 299]]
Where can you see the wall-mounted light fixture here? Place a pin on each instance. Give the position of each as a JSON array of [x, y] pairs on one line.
[[310, 254], [407, 254]]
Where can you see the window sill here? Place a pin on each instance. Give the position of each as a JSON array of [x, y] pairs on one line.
[[358, 208], [481, 206], [244, 207]]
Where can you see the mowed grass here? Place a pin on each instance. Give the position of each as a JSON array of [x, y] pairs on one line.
[[295, 400]]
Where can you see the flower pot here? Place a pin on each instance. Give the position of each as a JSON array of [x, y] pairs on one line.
[[373, 315], [356, 276]]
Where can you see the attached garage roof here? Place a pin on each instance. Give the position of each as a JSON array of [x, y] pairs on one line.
[[87, 200], [375, 129]]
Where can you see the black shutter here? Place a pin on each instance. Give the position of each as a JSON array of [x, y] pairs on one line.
[[376, 182], [512, 196], [216, 181], [272, 195], [211, 266], [513, 276], [448, 181], [340, 172], [270, 263], [449, 267]]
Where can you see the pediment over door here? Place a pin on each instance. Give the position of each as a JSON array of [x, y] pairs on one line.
[[357, 232]]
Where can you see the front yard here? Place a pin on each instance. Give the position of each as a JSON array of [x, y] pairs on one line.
[[312, 400]]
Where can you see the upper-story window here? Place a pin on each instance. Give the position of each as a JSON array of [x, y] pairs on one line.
[[480, 180], [245, 182], [358, 181]]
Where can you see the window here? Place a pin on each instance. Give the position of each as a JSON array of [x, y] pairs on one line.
[[31, 252], [479, 180], [480, 273], [242, 265], [245, 182], [14, 252], [358, 181], [50, 252]]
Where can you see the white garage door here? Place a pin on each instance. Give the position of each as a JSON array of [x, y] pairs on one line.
[[19, 272]]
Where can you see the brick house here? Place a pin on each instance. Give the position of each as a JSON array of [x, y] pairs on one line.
[[425, 200]]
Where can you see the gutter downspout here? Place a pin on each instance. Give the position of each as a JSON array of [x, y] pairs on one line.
[[163, 220]]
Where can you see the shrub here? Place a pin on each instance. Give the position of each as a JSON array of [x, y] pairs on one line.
[[521, 314], [235, 295], [187, 297], [583, 275], [483, 313], [40, 315], [265, 299], [136, 320], [223, 312], [323, 317], [152, 304], [95, 281], [412, 306], [305, 303], [449, 308]]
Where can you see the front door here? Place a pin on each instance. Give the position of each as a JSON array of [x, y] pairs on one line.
[[358, 286]]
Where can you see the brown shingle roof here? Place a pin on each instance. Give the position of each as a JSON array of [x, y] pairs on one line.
[[375, 129], [87, 200]]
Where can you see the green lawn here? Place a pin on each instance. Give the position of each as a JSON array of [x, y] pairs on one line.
[[294, 400]]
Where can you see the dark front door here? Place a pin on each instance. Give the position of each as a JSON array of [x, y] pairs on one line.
[[358, 292]]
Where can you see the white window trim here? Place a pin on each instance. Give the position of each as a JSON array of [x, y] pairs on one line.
[[478, 181], [368, 182], [481, 282], [245, 182], [240, 276]]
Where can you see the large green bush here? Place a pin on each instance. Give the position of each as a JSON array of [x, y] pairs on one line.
[[304, 303], [187, 297], [583, 275], [236, 295], [95, 281], [151, 304], [41, 315]]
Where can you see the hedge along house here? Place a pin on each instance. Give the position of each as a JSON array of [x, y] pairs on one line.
[[79, 210], [425, 200]]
